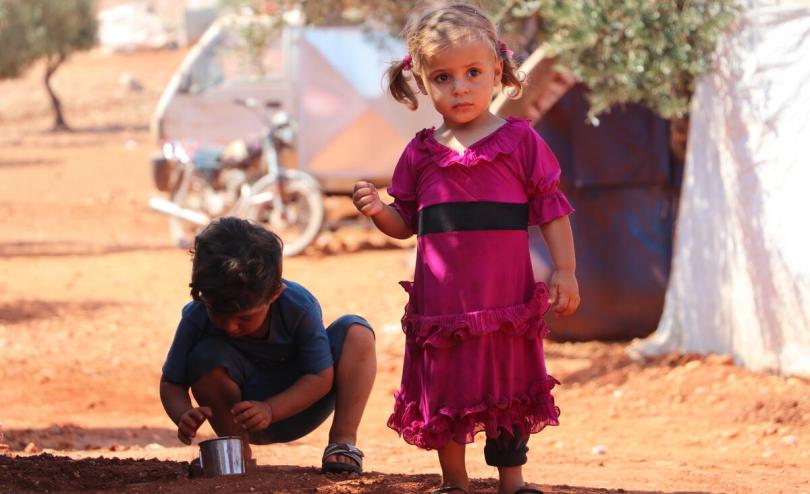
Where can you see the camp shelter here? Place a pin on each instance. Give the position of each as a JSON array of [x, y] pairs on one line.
[[328, 79], [740, 281]]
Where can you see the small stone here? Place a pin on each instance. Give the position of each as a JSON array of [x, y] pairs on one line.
[[767, 454], [599, 449], [731, 434], [720, 359], [130, 83], [790, 440], [153, 446], [31, 448], [693, 364], [392, 328], [770, 430]]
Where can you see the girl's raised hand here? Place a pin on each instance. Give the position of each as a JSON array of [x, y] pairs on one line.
[[564, 293], [366, 198], [190, 421]]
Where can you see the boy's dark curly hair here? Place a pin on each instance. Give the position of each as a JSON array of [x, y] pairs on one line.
[[236, 265]]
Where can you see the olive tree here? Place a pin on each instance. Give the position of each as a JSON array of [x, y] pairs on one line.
[[15, 35], [47, 30], [631, 51]]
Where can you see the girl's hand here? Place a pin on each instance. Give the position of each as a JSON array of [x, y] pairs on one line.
[[190, 421], [564, 293], [253, 416], [366, 198]]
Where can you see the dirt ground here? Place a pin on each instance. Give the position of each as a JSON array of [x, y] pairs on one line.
[[90, 292]]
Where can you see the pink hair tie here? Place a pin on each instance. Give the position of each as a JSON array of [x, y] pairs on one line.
[[505, 51], [407, 62]]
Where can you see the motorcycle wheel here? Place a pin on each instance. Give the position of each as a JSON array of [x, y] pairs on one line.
[[182, 232], [302, 218]]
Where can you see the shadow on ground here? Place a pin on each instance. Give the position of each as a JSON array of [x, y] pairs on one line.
[[58, 249], [11, 163], [61, 474], [19, 311], [74, 438]]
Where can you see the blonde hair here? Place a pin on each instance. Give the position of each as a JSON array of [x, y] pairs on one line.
[[437, 29]]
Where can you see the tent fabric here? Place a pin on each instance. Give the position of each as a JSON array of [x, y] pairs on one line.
[[350, 127], [130, 27], [740, 283]]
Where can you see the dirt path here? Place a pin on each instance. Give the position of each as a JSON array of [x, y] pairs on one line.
[[90, 292]]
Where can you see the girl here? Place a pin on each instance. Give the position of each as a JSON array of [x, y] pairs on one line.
[[469, 189]]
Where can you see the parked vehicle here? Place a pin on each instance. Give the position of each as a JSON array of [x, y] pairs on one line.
[[327, 80], [242, 179]]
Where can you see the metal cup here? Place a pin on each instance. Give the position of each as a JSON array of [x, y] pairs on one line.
[[222, 456]]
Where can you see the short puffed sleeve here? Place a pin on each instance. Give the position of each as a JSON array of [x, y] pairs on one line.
[[542, 171], [403, 189]]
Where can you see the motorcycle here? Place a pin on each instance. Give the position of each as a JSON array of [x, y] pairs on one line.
[[244, 179]]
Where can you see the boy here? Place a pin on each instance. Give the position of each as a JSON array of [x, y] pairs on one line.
[[253, 350]]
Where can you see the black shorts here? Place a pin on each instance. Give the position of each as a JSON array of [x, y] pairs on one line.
[[262, 383]]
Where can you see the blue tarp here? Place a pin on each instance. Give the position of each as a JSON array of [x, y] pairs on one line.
[[623, 182]]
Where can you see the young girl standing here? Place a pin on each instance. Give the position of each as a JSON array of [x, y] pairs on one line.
[[469, 189]]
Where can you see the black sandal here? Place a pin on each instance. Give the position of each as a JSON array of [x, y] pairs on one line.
[[528, 490], [349, 451]]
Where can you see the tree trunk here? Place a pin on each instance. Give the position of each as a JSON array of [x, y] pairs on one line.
[[678, 136], [59, 123]]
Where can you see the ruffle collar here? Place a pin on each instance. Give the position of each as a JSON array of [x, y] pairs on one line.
[[502, 140]]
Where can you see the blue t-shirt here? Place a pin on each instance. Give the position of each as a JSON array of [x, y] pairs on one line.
[[296, 338]]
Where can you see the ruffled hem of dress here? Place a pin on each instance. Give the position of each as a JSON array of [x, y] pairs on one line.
[[529, 413], [548, 207], [447, 330], [484, 150]]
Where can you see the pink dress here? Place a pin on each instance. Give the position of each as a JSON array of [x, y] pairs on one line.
[[474, 322]]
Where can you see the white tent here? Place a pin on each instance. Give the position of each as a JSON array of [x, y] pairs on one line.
[[740, 281], [130, 27]]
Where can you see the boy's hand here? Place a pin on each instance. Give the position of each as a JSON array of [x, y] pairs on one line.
[[253, 416], [190, 421], [564, 293], [366, 198]]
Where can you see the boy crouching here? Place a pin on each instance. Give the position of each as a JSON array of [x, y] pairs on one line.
[[252, 348]]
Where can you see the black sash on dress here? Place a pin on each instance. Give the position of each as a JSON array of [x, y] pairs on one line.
[[478, 215]]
